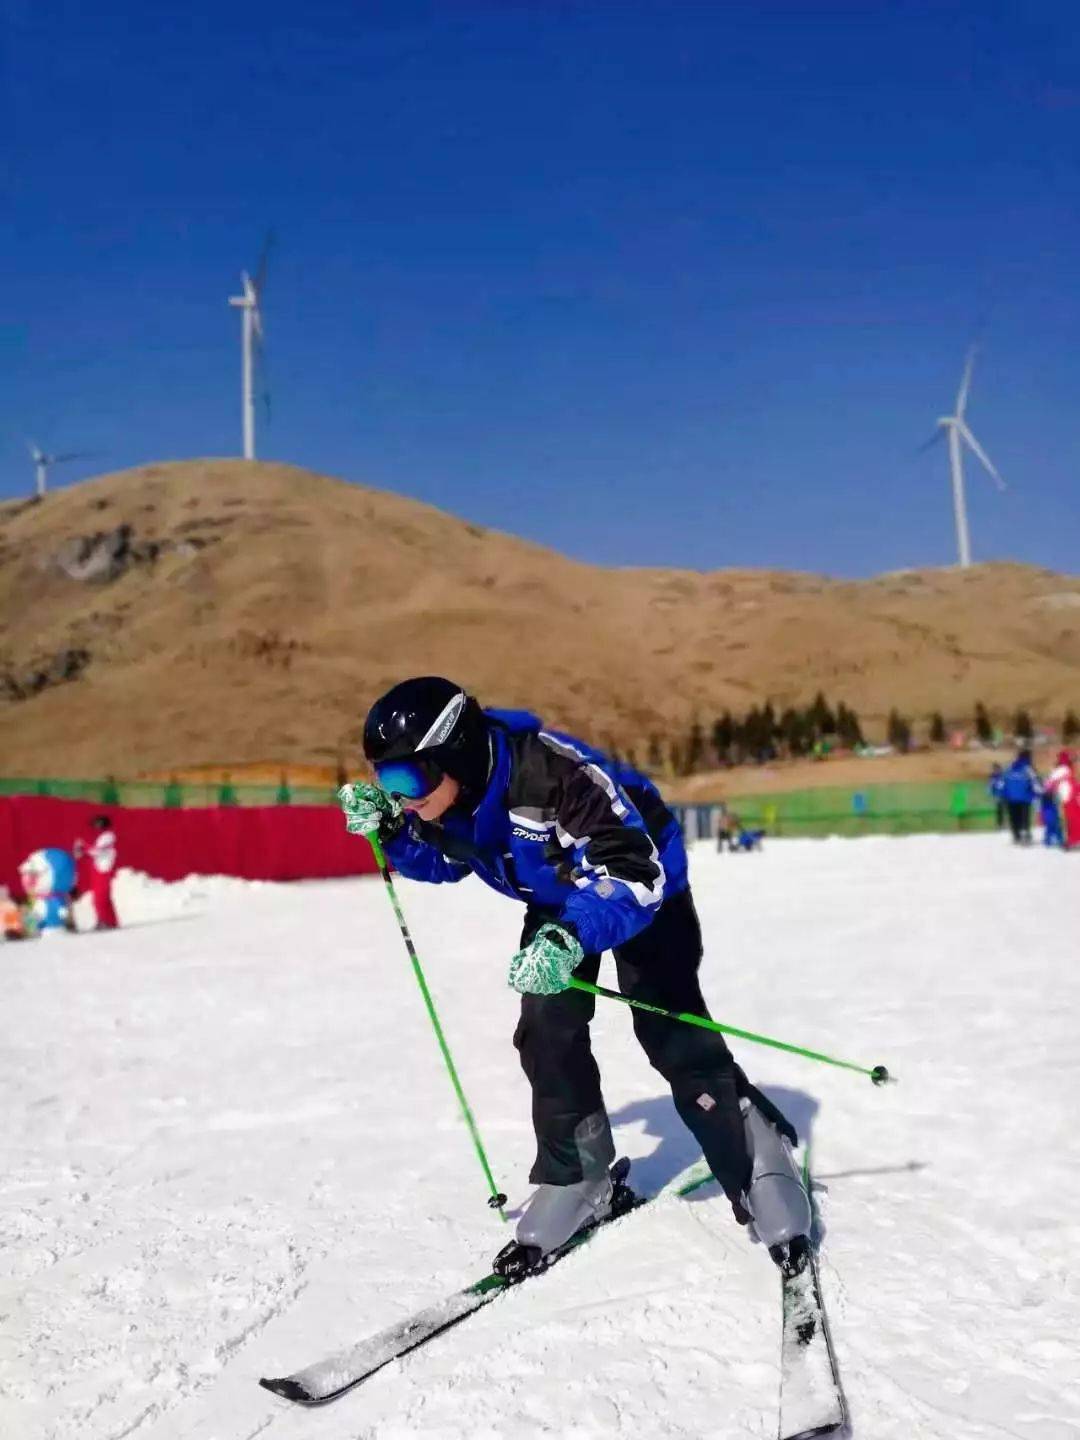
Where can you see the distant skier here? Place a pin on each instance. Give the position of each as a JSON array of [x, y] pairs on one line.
[[588, 845], [1019, 788], [1050, 820], [97, 852], [736, 836], [1061, 785], [995, 787]]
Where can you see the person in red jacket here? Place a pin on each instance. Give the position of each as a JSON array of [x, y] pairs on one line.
[[98, 851], [1063, 785]]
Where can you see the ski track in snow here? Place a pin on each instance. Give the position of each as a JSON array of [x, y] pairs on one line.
[[228, 1147]]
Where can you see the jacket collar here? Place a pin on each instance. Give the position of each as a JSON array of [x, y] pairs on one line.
[[484, 828], [489, 818]]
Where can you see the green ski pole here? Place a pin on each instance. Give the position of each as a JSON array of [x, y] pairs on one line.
[[878, 1074], [497, 1199]]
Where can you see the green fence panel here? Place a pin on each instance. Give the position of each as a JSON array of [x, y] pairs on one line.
[[903, 809]]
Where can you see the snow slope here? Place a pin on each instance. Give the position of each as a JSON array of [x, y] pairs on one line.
[[227, 1146]]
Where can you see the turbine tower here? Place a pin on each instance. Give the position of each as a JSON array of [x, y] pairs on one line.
[[251, 337], [955, 428], [43, 461]]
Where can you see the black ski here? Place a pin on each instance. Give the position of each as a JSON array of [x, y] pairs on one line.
[[811, 1396], [336, 1375]]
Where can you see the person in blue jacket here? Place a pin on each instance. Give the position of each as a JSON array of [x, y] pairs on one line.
[[994, 787], [588, 846], [1019, 788]]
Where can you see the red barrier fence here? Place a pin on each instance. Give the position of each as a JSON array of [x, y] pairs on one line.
[[272, 842]]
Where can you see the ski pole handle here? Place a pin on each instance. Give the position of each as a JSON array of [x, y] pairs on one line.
[[878, 1074]]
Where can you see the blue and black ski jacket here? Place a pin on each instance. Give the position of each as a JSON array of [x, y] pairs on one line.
[[584, 839], [1020, 783]]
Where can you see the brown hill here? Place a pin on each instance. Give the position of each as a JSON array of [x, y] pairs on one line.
[[224, 612]]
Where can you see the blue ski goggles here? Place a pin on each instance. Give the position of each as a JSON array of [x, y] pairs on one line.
[[411, 779]]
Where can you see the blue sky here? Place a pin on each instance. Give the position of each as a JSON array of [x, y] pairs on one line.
[[680, 284]]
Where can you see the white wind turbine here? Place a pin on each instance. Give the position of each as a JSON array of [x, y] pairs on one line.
[[955, 427], [43, 461], [251, 337]]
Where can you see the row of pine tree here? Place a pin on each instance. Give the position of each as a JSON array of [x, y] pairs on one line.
[[763, 734]]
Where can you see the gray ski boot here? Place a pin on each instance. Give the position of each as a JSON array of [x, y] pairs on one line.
[[557, 1213], [776, 1197]]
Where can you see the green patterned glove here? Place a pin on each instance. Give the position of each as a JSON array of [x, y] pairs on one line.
[[545, 965], [369, 810]]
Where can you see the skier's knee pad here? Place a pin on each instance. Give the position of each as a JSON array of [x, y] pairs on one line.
[[775, 1197]]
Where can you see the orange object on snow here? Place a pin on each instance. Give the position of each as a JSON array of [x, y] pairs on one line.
[[12, 924]]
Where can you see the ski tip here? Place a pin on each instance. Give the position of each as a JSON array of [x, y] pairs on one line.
[[288, 1389]]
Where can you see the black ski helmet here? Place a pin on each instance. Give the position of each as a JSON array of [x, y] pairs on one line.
[[431, 719]]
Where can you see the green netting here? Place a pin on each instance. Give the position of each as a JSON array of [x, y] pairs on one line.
[[869, 810]]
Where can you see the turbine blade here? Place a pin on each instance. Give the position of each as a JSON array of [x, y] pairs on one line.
[[75, 455], [977, 449], [935, 439], [264, 260], [965, 383]]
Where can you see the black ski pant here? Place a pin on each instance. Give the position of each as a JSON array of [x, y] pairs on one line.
[[660, 966], [1020, 820]]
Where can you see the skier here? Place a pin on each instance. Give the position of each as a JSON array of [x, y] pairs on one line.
[[98, 850], [747, 840], [598, 860], [1019, 787], [995, 789], [1050, 820], [1061, 785]]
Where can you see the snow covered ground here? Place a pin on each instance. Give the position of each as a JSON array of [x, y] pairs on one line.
[[227, 1146]]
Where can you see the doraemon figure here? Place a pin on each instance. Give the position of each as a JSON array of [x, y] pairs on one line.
[[48, 877]]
